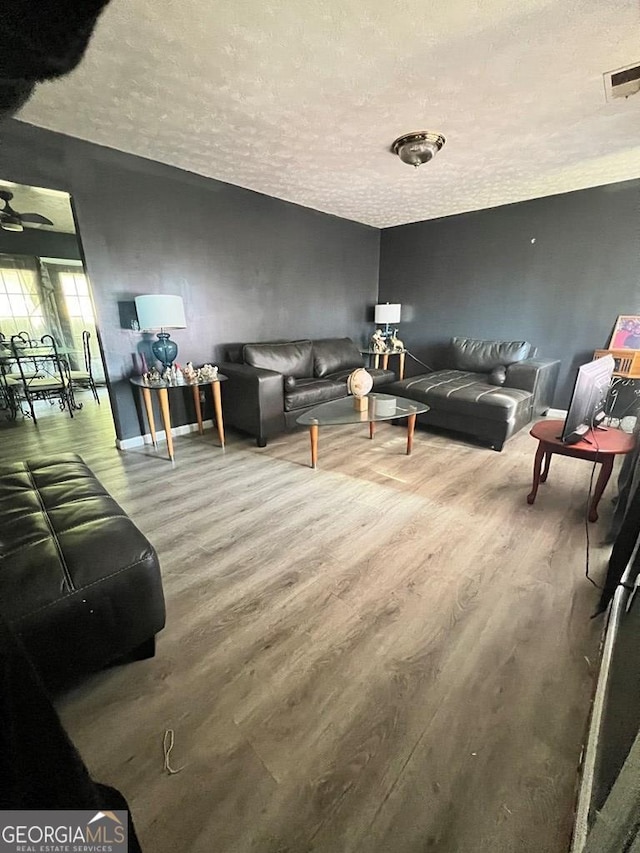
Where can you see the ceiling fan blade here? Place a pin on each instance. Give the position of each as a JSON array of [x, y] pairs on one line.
[[9, 222], [35, 219]]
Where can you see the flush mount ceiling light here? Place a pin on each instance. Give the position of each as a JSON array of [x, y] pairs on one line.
[[418, 148]]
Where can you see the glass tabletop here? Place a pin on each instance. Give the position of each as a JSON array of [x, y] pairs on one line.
[[371, 351], [382, 407], [143, 383], [39, 351]]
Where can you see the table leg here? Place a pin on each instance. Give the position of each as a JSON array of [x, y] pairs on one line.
[[376, 360], [545, 470], [148, 405], [606, 467], [217, 407], [401, 366], [372, 429], [537, 467], [313, 434], [196, 402], [411, 426], [385, 361], [163, 396]]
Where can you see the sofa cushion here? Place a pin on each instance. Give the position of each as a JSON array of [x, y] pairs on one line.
[[331, 355], [291, 358], [312, 392], [498, 375], [482, 356], [464, 393]]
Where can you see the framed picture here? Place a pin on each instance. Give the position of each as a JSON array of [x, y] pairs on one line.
[[626, 332]]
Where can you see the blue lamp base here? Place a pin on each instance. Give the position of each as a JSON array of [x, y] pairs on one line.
[[164, 349]]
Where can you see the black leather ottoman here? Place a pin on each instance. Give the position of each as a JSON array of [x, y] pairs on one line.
[[79, 583]]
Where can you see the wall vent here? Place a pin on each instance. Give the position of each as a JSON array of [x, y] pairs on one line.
[[622, 82]]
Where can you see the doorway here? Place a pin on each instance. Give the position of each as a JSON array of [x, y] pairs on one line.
[[44, 287]]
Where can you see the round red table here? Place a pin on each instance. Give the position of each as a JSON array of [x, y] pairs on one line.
[[599, 445]]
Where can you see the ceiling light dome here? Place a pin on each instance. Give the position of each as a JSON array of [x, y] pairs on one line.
[[418, 148]]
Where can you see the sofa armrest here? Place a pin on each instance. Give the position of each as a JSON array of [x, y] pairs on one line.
[[253, 400], [538, 375]]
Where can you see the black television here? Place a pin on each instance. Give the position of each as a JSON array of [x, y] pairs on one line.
[[588, 399]]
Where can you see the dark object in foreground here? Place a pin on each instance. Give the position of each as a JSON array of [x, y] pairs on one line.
[[41, 41], [39, 766]]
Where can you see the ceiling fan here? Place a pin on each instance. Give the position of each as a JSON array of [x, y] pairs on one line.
[[11, 220]]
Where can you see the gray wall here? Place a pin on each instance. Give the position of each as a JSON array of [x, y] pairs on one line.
[[480, 275], [249, 267]]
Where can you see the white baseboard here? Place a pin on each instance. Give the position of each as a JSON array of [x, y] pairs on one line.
[[140, 440], [557, 413]]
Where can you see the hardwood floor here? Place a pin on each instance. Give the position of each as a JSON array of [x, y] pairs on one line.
[[390, 654]]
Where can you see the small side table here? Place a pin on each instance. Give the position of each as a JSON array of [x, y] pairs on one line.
[[376, 356], [602, 447], [162, 389]]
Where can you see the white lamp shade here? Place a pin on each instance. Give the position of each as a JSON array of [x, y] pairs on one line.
[[158, 311], [387, 312]]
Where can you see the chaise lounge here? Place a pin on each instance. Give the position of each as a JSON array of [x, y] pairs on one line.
[[492, 390]]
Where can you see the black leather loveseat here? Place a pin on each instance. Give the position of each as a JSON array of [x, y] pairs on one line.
[[270, 384], [79, 583], [491, 391]]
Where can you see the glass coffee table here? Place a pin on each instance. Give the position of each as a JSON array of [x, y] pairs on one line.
[[382, 407]]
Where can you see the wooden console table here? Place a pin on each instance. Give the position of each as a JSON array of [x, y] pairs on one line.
[[162, 389], [596, 446], [627, 361]]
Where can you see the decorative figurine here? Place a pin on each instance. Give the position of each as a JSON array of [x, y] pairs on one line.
[[152, 375], [208, 373], [189, 373], [396, 344], [378, 342]]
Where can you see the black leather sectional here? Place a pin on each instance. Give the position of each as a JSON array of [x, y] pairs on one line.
[[271, 384], [492, 390], [79, 583]]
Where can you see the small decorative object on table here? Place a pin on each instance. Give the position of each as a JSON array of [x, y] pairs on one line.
[[152, 375], [396, 345], [359, 383], [208, 373], [189, 373], [378, 342], [384, 406]]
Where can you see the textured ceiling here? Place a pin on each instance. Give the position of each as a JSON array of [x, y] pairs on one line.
[[302, 100], [50, 203]]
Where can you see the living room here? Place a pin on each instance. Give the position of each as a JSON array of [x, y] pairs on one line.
[[478, 624]]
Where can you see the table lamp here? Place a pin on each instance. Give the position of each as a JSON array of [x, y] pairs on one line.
[[160, 312], [387, 313]]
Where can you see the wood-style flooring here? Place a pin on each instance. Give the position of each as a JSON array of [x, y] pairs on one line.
[[390, 654]]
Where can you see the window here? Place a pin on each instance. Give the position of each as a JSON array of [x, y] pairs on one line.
[[20, 303], [76, 295]]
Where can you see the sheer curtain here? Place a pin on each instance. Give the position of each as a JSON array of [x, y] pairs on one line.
[[22, 306], [72, 298], [47, 296]]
